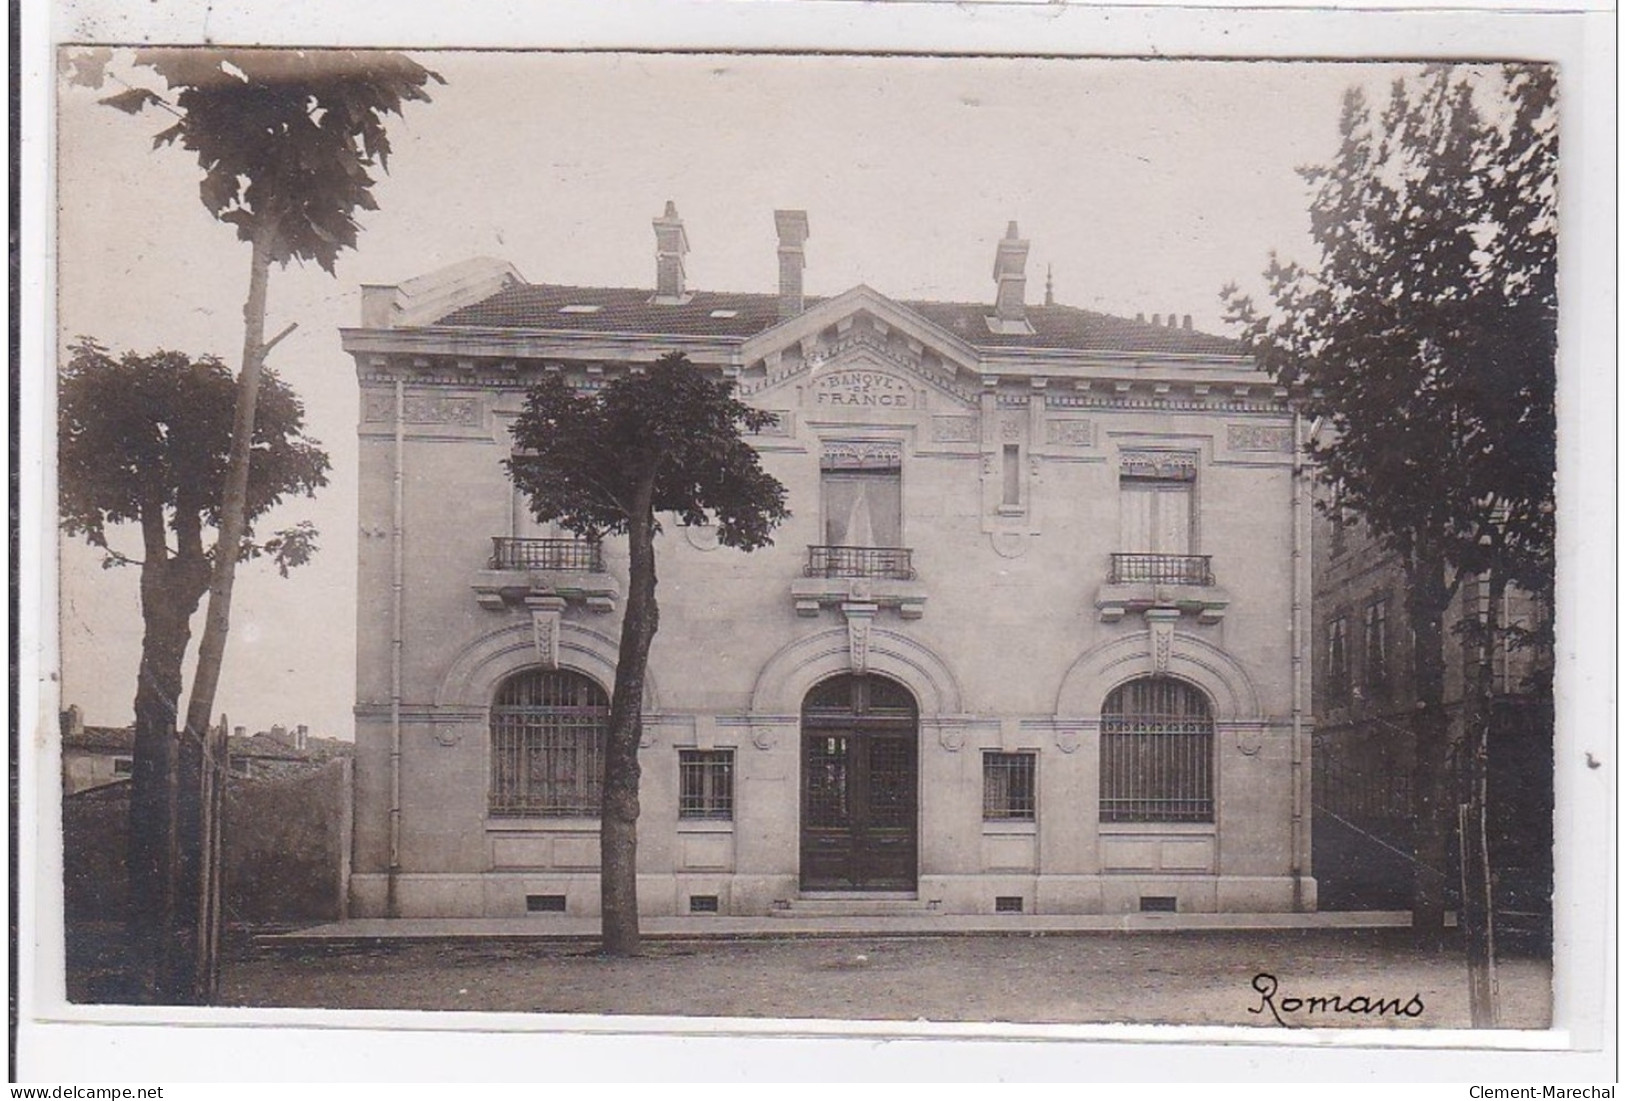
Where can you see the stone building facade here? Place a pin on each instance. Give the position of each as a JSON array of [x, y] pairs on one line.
[[1364, 752], [1026, 644]]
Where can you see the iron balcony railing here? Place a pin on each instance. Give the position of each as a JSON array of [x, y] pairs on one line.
[[1162, 569], [892, 562], [579, 555]]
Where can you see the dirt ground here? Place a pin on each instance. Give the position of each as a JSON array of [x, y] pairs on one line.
[[1172, 978]]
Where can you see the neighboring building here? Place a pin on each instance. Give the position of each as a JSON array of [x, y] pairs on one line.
[[1364, 751], [94, 756], [280, 752], [1027, 642]]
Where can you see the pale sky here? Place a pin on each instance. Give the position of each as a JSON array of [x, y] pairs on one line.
[[1145, 185]]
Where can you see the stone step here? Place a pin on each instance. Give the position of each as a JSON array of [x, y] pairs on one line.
[[855, 904]]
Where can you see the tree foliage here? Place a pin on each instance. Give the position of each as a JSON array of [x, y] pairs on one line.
[[583, 458], [604, 463], [287, 138], [144, 439], [1426, 332], [1425, 335]]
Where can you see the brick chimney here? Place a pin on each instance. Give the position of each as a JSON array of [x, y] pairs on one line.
[[73, 722], [301, 737], [1010, 271], [793, 233], [671, 245]]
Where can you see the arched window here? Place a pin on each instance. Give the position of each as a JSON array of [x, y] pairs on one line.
[[1156, 753], [547, 745]]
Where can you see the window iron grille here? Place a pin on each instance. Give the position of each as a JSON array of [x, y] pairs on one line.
[[1008, 791], [547, 746], [705, 784], [1162, 569], [1008, 904], [896, 563], [1156, 749], [576, 555]]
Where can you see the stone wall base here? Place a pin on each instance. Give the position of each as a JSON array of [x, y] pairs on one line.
[[514, 894]]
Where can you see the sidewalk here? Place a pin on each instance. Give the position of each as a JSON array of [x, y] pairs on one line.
[[704, 926]]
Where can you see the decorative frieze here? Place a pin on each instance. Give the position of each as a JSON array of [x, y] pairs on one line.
[[1069, 432], [1259, 437], [862, 454], [1163, 465], [954, 430], [783, 427], [422, 409]]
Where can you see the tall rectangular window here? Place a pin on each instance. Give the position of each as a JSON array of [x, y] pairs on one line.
[[1156, 502], [1376, 647], [1012, 475], [1009, 793], [1337, 659], [862, 489], [705, 784]]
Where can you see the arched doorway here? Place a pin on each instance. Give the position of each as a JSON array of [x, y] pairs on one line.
[[859, 786]]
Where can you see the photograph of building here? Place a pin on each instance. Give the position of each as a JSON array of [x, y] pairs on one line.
[[1030, 642]]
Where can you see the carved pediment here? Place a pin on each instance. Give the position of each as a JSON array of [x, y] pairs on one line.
[[861, 350]]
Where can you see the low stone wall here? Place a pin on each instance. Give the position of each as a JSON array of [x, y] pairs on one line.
[[286, 857]]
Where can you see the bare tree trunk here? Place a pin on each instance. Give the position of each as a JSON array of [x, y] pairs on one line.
[[619, 820], [217, 624], [1435, 793], [1478, 903]]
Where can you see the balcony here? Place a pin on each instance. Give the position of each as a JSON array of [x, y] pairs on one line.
[[576, 555], [1181, 582], [519, 569], [837, 575], [1162, 569], [895, 563]]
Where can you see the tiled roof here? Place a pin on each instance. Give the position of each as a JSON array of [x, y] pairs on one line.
[[631, 310], [106, 738]]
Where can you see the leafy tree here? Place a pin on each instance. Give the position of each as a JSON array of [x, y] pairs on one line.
[[288, 141], [605, 463], [1425, 336], [144, 440]]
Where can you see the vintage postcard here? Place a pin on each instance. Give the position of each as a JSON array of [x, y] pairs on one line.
[[998, 523]]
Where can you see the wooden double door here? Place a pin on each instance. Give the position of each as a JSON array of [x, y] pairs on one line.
[[859, 786]]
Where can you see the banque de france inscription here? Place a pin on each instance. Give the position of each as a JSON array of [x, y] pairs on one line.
[[856, 387]]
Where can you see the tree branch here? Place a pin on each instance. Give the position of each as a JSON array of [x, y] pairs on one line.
[[265, 350]]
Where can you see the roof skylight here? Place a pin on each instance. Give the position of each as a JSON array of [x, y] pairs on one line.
[[579, 308]]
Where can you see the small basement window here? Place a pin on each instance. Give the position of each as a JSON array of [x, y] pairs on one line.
[[1008, 904], [703, 904], [1159, 904], [544, 904]]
